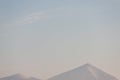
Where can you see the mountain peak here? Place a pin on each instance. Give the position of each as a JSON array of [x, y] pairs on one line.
[[32, 78], [18, 76], [84, 72], [14, 77], [86, 65]]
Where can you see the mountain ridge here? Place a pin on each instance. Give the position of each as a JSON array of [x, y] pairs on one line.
[[18, 77], [84, 72]]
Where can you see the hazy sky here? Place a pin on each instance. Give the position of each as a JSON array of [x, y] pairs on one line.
[[46, 37]]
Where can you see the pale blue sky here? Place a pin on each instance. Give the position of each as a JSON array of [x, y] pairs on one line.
[[46, 37]]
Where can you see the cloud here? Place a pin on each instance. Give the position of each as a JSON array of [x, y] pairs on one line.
[[31, 18], [21, 21], [25, 20], [40, 16]]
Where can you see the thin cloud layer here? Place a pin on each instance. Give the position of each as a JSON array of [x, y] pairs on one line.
[[31, 18], [26, 20]]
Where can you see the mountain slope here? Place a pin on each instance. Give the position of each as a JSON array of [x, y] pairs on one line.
[[14, 77], [32, 78], [18, 77], [85, 72]]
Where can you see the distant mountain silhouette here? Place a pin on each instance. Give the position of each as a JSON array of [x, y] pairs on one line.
[[18, 77], [85, 72]]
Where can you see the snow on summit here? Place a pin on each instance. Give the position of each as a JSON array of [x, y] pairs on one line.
[[85, 72]]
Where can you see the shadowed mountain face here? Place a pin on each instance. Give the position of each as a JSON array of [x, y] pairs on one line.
[[18, 77], [85, 72]]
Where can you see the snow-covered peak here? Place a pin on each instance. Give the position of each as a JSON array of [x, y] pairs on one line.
[[84, 72]]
